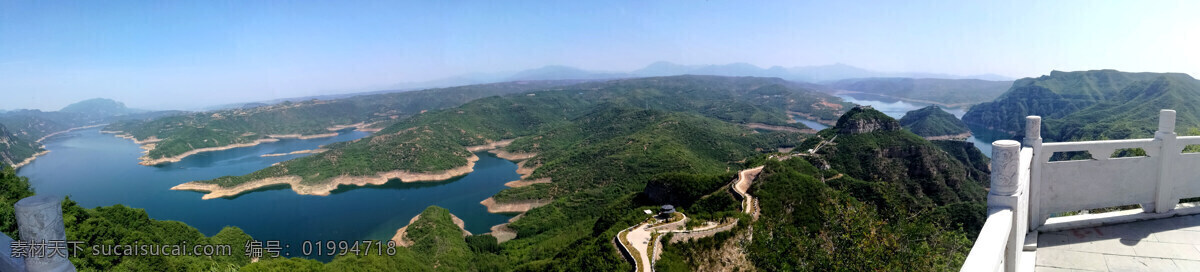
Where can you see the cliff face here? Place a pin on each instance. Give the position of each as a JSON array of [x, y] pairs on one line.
[[872, 147], [13, 150], [864, 119], [1055, 96]]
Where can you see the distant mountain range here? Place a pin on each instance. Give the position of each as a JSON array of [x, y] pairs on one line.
[[816, 74]]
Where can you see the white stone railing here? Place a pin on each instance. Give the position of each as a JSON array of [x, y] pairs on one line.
[[1156, 181], [1027, 188], [988, 252], [999, 244]]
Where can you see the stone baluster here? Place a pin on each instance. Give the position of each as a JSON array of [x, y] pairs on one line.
[[1006, 160], [1164, 199], [1033, 139], [1005, 194], [40, 221]]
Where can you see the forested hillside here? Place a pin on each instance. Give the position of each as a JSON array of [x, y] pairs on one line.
[[1060, 94], [613, 151], [901, 201], [14, 149], [599, 143], [176, 135], [932, 121], [437, 141], [872, 196]]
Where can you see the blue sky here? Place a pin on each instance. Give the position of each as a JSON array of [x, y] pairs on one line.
[[187, 54]]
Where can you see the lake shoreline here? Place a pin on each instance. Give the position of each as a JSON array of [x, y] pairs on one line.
[[809, 117], [68, 130], [148, 143], [401, 236], [781, 128], [501, 231], [324, 189], [30, 159], [147, 161], [306, 151], [512, 207], [961, 137]]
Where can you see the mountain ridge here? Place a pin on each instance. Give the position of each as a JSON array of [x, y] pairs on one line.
[[1076, 104]]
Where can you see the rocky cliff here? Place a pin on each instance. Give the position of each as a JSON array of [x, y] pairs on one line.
[[14, 150], [1054, 96], [870, 146]]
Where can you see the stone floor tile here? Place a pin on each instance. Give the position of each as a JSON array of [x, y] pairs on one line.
[[1178, 237], [1188, 265], [1056, 269], [1111, 246], [1129, 263], [1071, 259], [1167, 250]]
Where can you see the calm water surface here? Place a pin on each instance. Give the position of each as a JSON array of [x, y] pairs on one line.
[[97, 169], [811, 124]]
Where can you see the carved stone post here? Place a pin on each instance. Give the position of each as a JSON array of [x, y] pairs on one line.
[[1033, 139], [40, 221], [1006, 194], [1164, 199], [1006, 160]]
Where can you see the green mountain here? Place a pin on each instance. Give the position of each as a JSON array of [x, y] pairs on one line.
[[851, 224], [32, 125], [98, 107], [437, 140], [612, 150], [932, 121], [176, 135], [882, 197], [899, 160], [945, 92], [1133, 111], [14, 150], [1055, 96], [599, 143]]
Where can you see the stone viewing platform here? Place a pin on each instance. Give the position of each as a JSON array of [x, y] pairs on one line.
[[1020, 233]]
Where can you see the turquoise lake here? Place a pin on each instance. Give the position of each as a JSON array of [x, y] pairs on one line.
[[97, 169]]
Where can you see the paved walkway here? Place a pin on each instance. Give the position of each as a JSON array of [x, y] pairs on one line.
[[640, 238], [1169, 244], [742, 185]]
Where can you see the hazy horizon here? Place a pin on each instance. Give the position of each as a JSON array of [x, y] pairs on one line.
[[192, 55]]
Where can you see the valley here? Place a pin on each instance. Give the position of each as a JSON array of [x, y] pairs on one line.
[[536, 178]]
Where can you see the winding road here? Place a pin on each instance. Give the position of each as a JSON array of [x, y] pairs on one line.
[[742, 185]]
